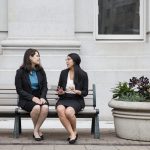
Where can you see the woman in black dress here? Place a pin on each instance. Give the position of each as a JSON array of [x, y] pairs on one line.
[[31, 86], [72, 87]]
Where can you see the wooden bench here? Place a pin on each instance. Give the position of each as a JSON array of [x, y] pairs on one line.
[[8, 102], [8, 108]]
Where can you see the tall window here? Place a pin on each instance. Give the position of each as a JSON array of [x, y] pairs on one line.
[[120, 19]]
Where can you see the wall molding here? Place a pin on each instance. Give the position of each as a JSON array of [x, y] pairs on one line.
[[42, 44]]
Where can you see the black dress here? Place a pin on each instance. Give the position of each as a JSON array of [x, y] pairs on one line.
[[73, 100], [28, 106]]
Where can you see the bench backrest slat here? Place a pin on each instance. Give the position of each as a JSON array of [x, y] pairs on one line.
[[9, 97], [8, 102], [53, 97]]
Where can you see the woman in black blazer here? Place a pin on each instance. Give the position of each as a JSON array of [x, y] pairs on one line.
[[72, 88], [31, 86]]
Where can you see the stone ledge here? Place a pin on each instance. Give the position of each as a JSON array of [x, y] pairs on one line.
[[43, 44]]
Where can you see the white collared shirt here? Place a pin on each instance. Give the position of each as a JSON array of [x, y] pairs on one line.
[[70, 85]]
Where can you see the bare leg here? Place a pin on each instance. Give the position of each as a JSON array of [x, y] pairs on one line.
[[70, 114], [65, 122], [41, 118], [35, 115]]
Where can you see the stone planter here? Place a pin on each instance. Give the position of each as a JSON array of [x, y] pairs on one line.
[[131, 119]]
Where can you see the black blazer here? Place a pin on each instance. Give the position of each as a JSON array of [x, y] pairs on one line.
[[82, 86], [23, 85]]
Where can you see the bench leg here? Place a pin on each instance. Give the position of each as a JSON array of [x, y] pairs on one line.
[[20, 128], [92, 126], [96, 127], [16, 127]]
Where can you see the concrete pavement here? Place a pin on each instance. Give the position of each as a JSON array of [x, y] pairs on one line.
[[55, 138]]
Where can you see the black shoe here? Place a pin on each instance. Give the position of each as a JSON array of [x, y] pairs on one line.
[[37, 139], [42, 137], [73, 140], [68, 139], [76, 136]]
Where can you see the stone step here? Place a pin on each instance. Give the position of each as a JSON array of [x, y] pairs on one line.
[[57, 62], [107, 77]]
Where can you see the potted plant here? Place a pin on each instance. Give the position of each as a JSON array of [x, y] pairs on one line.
[[131, 109]]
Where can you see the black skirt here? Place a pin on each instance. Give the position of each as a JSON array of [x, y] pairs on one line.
[[71, 100], [30, 104]]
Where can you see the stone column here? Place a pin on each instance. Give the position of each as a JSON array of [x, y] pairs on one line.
[[44, 24]]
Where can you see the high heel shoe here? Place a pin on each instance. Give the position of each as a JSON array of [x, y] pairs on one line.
[[68, 139], [42, 137], [73, 140], [36, 139]]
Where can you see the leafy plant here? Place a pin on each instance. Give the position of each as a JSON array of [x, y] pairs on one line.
[[138, 89]]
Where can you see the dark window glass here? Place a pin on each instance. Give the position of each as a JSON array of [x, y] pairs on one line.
[[119, 17]]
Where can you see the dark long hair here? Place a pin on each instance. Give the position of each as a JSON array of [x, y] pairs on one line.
[[78, 72], [27, 65]]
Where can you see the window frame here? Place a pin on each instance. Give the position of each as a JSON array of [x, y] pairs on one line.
[[123, 37]]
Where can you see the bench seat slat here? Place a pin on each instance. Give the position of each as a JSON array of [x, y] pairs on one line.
[[8, 109], [87, 110]]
